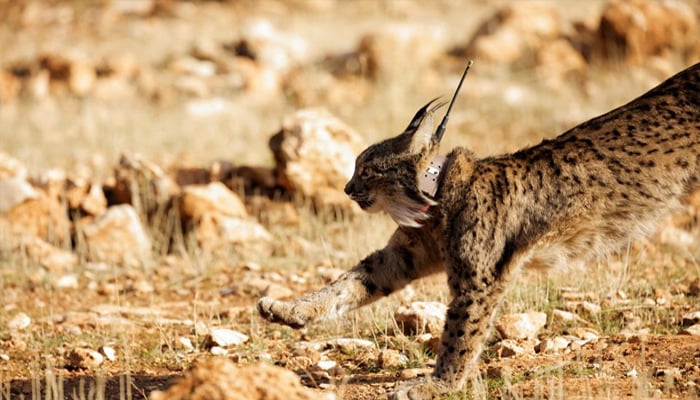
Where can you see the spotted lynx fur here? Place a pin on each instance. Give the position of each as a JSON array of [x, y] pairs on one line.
[[574, 198]]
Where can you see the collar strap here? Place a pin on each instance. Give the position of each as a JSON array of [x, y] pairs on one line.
[[429, 180]]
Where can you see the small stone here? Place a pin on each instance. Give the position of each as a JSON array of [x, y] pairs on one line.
[[521, 326], [554, 345], [82, 358], [587, 334], [226, 337], [429, 341], [564, 316], [108, 352], [632, 373], [691, 318], [412, 373], [589, 307], [184, 343], [4, 357], [326, 364], [389, 358], [19, 322], [218, 351], [421, 317], [693, 330], [69, 281], [508, 348]]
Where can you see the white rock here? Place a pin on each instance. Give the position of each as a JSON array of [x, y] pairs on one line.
[[508, 348], [693, 330], [389, 358], [218, 351], [14, 191], [69, 281], [184, 343], [565, 316], [691, 318], [421, 317], [19, 322], [108, 352], [117, 236], [521, 326], [83, 358], [554, 345], [198, 200], [226, 337], [4, 357], [326, 364]]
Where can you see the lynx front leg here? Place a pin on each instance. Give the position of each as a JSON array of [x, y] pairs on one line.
[[467, 326], [409, 255]]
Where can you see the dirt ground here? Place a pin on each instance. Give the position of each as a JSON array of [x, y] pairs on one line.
[[146, 313]]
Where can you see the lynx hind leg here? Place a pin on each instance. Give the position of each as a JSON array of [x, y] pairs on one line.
[[404, 259]]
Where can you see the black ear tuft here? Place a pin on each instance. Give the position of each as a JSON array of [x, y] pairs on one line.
[[418, 118]]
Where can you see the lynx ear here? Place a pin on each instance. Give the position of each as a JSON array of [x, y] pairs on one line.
[[422, 135], [421, 128]]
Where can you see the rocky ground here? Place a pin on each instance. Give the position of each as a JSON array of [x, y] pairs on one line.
[[166, 163]]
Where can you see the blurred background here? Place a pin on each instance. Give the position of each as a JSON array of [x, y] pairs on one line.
[[191, 81]]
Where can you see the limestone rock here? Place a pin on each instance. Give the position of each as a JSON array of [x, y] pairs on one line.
[[514, 31], [391, 358], [48, 256], [198, 200], [556, 344], [635, 30], [422, 317], [14, 190], [19, 322], [510, 348], [217, 232], [693, 330], [225, 337], [117, 236], [521, 326], [221, 379], [82, 358], [314, 151], [11, 168], [31, 212], [691, 318], [394, 46]]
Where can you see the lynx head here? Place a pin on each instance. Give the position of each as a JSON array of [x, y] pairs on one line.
[[386, 173]]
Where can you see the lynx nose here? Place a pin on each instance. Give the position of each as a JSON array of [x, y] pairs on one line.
[[348, 188]]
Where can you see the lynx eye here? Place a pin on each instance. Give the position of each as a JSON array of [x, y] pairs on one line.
[[365, 173]]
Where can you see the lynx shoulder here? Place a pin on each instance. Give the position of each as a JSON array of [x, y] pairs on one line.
[[574, 198]]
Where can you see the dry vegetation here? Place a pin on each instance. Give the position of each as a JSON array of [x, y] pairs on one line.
[[174, 82]]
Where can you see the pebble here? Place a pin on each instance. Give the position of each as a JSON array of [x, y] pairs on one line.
[[693, 330], [421, 317], [69, 281], [108, 352], [226, 337], [326, 364], [389, 358], [184, 343], [412, 373], [82, 358], [19, 322], [691, 318], [521, 326]]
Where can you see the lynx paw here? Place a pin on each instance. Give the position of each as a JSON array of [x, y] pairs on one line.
[[282, 312], [420, 389]]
